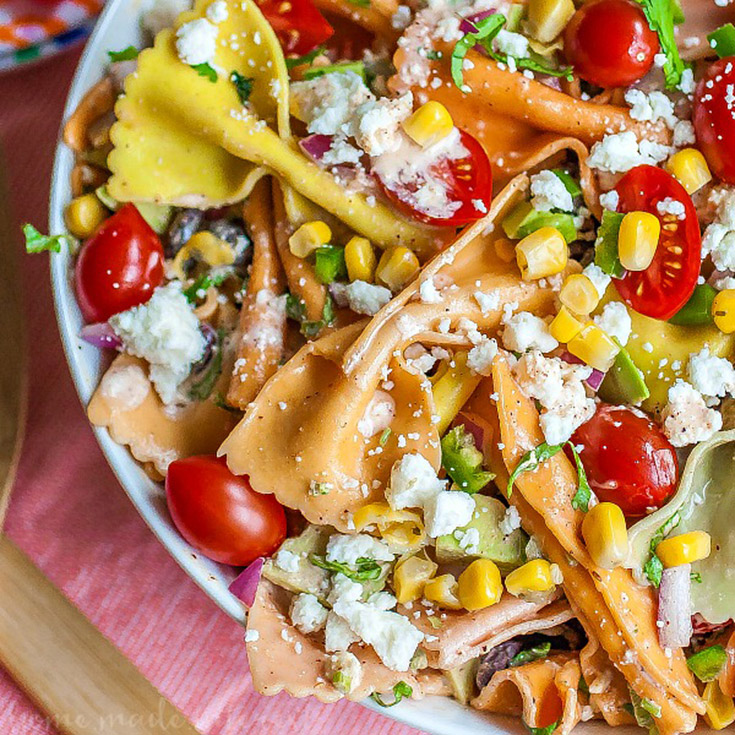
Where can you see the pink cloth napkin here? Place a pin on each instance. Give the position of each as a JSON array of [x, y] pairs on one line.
[[74, 520]]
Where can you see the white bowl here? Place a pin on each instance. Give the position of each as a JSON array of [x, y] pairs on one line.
[[117, 28]]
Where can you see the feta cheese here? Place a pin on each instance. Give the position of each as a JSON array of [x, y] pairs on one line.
[[718, 240], [712, 376], [620, 152], [572, 409], [348, 549], [413, 482], [615, 320], [469, 540], [671, 207], [686, 417], [510, 521], [217, 12], [377, 124], [401, 19], [684, 134], [487, 301], [525, 331], [125, 387], [651, 107], [165, 332], [340, 151], [687, 84], [511, 44], [366, 298], [378, 415], [251, 636], [307, 613], [447, 511], [480, 357], [287, 560], [338, 636], [196, 42], [610, 200], [548, 192], [343, 588], [428, 292], [600, 279]]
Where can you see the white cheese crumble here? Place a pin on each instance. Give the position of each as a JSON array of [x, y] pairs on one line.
[[287, 560], [362, 297], [348, 549], [615, 320], [713, 377], [377, 124], [126, 387], [525, 331], [671, 207], [428, 292], [487, 301], [510, 521], [718, 240], [196, 42], [610, 200], [251, 636], [165, 332], [217, 12], [480, 357], [447, 511], [600, 279], [686, 417], [620, 152], [338, 636], [413, 482], [684, 134], [651, 107], [512, 44], [378, 415], [548, 192], [307, 613]]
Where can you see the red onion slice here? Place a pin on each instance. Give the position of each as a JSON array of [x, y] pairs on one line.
[[100, 335], [595, 379], [245, 585], [468, 24], [316, 146], [674, 607]]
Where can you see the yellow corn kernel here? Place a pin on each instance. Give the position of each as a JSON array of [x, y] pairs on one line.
[[606, 535], [684, 549], [565, 326], [505, 249], [360, 259], [690, 168], [542, 253], [309, 237], [453, 390], [206, 247], [429, 124], [480, 585], [84, 215], [594, 347], [443, 591], [397, 266], [548, 18], [402, 529], [638, 240], [723, 311], [410, 576], [536, 575], [579, 294], [720, 708]]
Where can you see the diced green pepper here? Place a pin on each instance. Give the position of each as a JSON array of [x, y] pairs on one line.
[[606, 245], [329, 263], [463, 460]]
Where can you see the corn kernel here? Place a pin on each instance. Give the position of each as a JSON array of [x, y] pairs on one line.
[[429, 124], [534, 576], [565, 326], [360, 259], [480, 585], [548, 18], [410, 576], [453, 390], [684, 549], [84, 215], [443, 591], [579, 294], [720, 708], [206, 247], [542, 253], [594, 347], [606, 535], [690, 168], [397, 266], [638, 240], [402, 529], [309, 237], [723, 311]]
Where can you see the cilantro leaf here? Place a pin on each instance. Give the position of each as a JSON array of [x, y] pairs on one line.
[[487, 29], [530, 461], [305, 59], [581, 499], [400, 691], [205, 70], [243, 86], [531, 654], [653, 568], [360, 3], [127, 54], [38, 243], [644, 711], [661, 15], [205, 282], [363, 570]]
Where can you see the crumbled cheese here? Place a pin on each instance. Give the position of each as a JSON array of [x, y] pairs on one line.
[[378, 415], [525, 331], [651, 107], [615, 320], [718, 240], [600, 279], [217, 12], [712, 376], [672, 207], [511, 44], [480, 357], [165, 332], [684, 134], [428, 292], [196, 42], [344, 670], [340, 151], [469, 540], [401, 19], [447, 511], [338, 636], [251, 636], [487, 301], [307, 613], [687, 83], [366, 298], [686, 417], [413, 482], [620, 152], [510, 521], [548, 192], [287, 560], [377, 124], [348, 549], [127, 387], [610, 200]]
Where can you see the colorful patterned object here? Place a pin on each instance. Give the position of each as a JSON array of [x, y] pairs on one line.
[[33, 29]]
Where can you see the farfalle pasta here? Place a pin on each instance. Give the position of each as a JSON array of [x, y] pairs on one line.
[[418, 311]]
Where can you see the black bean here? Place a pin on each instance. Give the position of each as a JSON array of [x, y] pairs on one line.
[[182, 227]]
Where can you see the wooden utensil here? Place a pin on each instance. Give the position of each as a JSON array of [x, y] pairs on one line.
[[66, 666]]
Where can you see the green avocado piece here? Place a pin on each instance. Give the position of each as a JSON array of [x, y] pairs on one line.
[[524, 220], [462, 681], [156, 215], [508, 552], [624, 382], [698, 310], [307, 577], [462, 461]]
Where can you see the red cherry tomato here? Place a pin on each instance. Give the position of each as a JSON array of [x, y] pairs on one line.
[[300, 27], [713, 116], [666, 285], [467, 180], [609, 43], [119, 266], [219, 514], [627, 458]]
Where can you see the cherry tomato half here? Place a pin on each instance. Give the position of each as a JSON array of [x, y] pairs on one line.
[[713, 116], [609, 43], [300, 27], [627, 458], [666, 285], [467, 180], [119, 266], [219, 514]]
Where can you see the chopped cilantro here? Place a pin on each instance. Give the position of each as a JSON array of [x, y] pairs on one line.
[[305, 59], [219, 400], [243, 86], [38, 243], [400, 691], [364, 568], [127, 54], [358, 67], [433, 55], [653, 568], [581, 499], [312, 328], [570, 183], [644, 711], [695, 577], [205, 70], [531, 654], [203, 283], [342, 682], [661, 16]]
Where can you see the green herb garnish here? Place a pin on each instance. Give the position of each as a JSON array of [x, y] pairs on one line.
[[342, 682], [581, 499], [570, 183], [653, 568], [707, 664], [358, 67], [531, 654], [243, 86], [364, 568], [462, 460], [644, 711], [723, 40], [305, 59], [127, 54], [384, 436], [400, 691], [219, 400], [204, 283], [38, 243], [205, 70], [661, 16], [695, 577]]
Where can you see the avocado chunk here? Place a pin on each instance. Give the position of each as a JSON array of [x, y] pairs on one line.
[[462, 460], [508, 552], [462, 681], [524, 220], [698, 310], [624, 382], [156, 215]]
